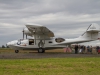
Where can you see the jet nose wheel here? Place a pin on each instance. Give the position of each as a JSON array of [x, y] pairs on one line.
[[41, 50], [16, 51]]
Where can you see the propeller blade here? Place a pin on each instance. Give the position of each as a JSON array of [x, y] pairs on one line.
[[23, 33]]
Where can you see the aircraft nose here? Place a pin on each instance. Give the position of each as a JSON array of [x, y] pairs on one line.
[[8, 44], [12, 43]]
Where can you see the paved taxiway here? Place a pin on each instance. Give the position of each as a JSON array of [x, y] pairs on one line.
[[42, 55]]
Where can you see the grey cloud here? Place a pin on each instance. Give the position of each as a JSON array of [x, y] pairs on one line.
[[85, 7], [57, 15], [20, 8]]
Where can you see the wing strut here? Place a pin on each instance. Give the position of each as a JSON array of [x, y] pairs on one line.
[[44, 36], [43, 30], [35, 36]]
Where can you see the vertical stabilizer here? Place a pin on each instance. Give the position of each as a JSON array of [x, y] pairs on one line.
[[93, 28], [92, 32]]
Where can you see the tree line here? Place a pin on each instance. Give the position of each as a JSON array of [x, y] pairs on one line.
[[3, 46]]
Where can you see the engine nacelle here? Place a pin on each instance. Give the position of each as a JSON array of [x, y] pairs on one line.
[[27, 32]]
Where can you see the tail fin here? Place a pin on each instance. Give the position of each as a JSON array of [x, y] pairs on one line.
[[93, 28], [92, 32]]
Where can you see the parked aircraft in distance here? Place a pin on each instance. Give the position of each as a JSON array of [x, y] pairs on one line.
[[43, 39]]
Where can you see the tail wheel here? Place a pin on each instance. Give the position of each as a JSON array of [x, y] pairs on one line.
[[41, 50], [16, 51]]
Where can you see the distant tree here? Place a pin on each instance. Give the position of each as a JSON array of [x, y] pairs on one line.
[[3, 46], [7, 46]]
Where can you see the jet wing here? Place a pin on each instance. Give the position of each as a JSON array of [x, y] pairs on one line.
[[40, 31]]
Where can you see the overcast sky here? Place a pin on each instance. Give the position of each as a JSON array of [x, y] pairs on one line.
[[66, 18]]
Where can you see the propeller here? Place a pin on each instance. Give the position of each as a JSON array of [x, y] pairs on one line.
[[24, 33]]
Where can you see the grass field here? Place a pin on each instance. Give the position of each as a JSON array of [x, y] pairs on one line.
[[5, 50], [47, 51], [51, 66]]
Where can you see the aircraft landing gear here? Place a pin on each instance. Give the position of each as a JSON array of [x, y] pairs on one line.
[[41, 50], [16, 51]]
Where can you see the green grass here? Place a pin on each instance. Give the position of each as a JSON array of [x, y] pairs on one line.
[[50, 66]]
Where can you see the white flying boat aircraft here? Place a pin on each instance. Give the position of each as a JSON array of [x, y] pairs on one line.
[[43, 39]]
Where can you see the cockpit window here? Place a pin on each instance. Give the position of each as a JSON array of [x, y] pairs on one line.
[[50, 42], [59, 40], [31, 41]]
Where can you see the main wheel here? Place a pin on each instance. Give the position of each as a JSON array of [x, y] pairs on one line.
[[16, 51], [41, 50]]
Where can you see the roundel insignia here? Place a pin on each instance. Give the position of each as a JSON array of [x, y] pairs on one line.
[[18, 43]]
